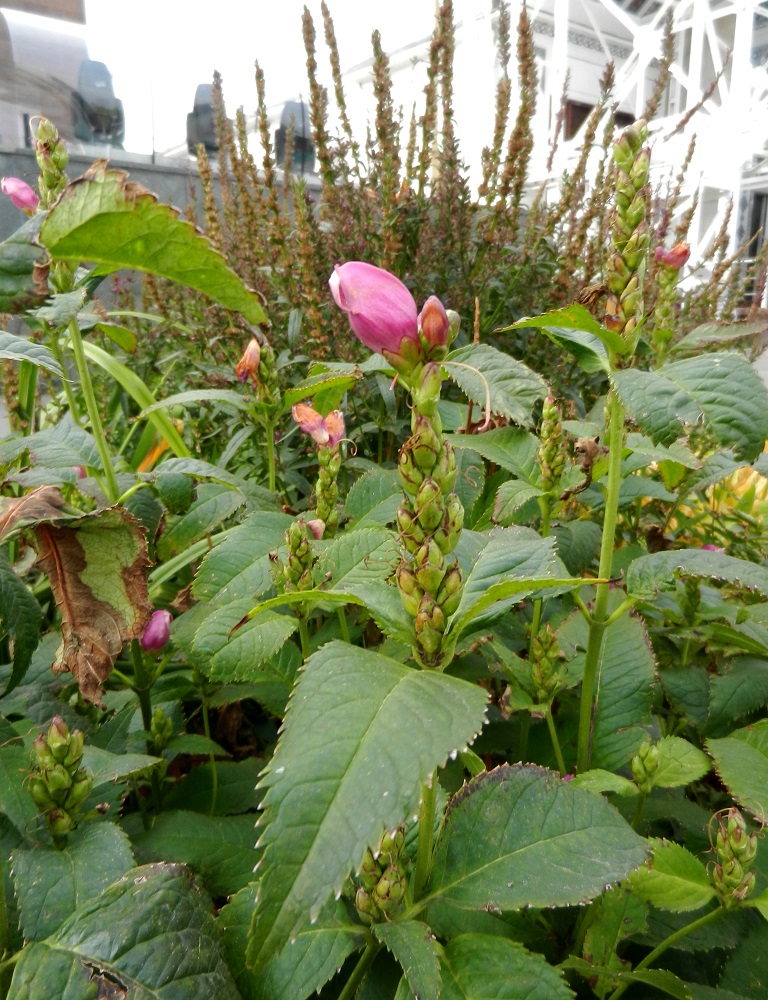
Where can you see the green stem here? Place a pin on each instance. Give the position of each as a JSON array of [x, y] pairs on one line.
[[525, 728], [615, 412], [426, 829], [211, 757], [650, 958], [555, 742], [372, 949], [5, 938], [269, 428], [142, 685], [53, 343], [343, 625], [97, 429], [641, 797], [304, 636]]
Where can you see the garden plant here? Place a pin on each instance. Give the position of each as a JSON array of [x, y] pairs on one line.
[[394, 669]]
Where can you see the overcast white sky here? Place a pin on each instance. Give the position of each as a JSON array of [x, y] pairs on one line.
[[160, 50]]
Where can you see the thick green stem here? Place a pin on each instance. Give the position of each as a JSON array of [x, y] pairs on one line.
[[304, 636], [615, 415], [358, 973], [555, 742], [97, 428], [142, 685], [343, 625], [651, 957], [269, 428], [426, 829], [211, 757]]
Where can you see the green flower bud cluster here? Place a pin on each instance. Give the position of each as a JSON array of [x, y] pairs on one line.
[[58, 785], [52, 159], [551, 453], [327, 488], [161, 730], [380, 883], [429, 520], [547, 668], [629, 236], [645, 764], [297, 571], [735, 850]]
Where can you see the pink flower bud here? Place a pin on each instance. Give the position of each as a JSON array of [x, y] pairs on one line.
[[80, 470], [248, 365], [158, 631], [311, 423], [334, 423], [713, 548], [381, 310], [434, 322], [675, 258], [20, 193], [317, 527]]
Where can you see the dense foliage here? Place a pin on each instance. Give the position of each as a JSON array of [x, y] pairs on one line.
[[395, 674]]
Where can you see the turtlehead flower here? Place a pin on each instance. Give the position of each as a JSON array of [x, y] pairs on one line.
[[317, 527], [676, 258], [20, 193], [248, 365], [381, 310], [158, 631], [434, 322], [323, 431]]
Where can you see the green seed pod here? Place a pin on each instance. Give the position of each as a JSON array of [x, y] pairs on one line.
[[411, 477], [449, 594], [429, 566], [444, 473], [645, 763], [58, 738], [410, 591], [42, 757], [370, 870], [60, 823], [366, 908], [429, 625], [446, 537], [429, 505], [390, 890], [79, 792], [74, 752], [391, 846], [59, 781], [425, 443], [40, 794]]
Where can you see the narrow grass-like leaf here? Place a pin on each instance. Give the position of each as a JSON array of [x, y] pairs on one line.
[[342, 773]]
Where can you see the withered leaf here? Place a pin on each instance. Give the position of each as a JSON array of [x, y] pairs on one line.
[[97, 567]]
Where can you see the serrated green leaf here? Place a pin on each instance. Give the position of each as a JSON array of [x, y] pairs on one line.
[[234, 790], [111, 221], [599, 781], [650, 574], [226, 652], [15, 801], [674, 880], [511, 496], [104, 766], [611, 919], [304, 965], [358, 557], [416, 950], [741, 760], [742, 689], [23, 270], [718, 334], [375, 497], [578, 544], [659, 979], [152, 933], [217, 848], [16, 348], [515, 562], [20, 617], [213, 505], [258, 497], [511, 448], [724, 387], [578, 332], [482, 966], [237, 568], [125, 339], [361, 785], [489, 377], [680, 763], [746, 972], [50, 884], [338, 382], [63, 445], [520, 836]]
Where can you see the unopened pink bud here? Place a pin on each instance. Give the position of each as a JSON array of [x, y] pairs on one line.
[[248, 365], [317, 527], [80, 470], [158, 631], [20, 193], [675, 258], [434, 322], [381, 310]]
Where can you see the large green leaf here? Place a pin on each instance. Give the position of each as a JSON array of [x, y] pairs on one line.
[[741, 689], [413, 945], [375, 497], [674, 880], [356, 558], [223, 788], [328, 797], [718, 334], [106, 767], [746, 973], [577, 331], [50, 884], [520, 836], [23, 269], [304, 965], [238, 568], [514, 563], [616, 915], [212, 506], [226, 652], [218, 848], [15, 801], [337, 382], [486, 967], [680, 763], [511, 448], [489, 377], [20, 617], [150, 935], [724, 387], [63, 445], [104, 218], [18, 349], [227, 396], [650, 574], [741, 760]]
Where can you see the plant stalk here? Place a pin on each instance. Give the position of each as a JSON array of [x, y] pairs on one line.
[[142, 686], [555, 742], [426, 828], [97, 428], [615, 413], [372, 949], [269, 427]]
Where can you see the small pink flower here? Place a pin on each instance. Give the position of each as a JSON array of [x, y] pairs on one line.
[[20, 193], [713, 548], [328, 431], [317, 527], [80, 470], [158, 630], [675, 258], [434, 322], [381, 310], [568, 777]]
